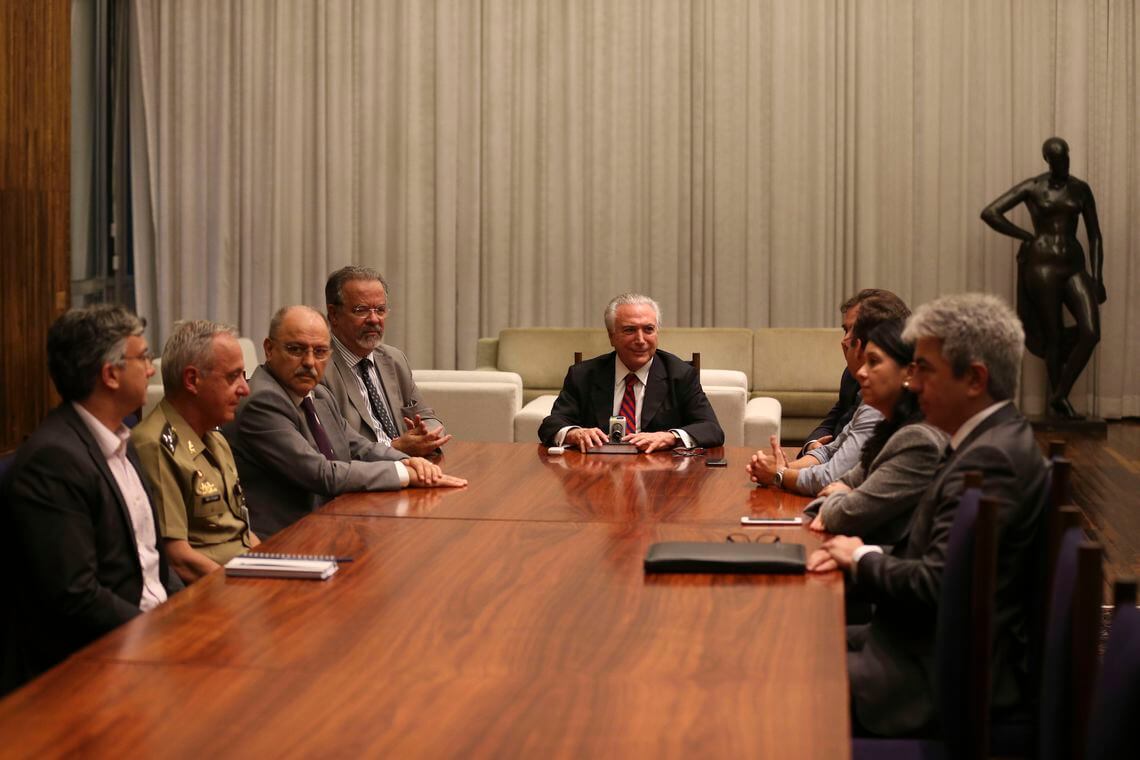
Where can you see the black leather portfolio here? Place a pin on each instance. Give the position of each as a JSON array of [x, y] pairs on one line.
[[716, 557]]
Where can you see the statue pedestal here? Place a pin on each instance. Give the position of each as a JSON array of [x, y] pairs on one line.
[[1094, 427]]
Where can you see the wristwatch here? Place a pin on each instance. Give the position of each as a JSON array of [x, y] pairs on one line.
[[778, 478]]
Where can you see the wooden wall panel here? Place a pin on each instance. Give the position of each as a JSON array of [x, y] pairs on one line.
[[35, 109]]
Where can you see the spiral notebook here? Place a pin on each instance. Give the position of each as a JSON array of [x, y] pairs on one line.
[[263, 565]]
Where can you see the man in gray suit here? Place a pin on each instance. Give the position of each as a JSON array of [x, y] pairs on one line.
[[371, 382], [967, 361], [294, 450]]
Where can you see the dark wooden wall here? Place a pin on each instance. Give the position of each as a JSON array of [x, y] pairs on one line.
[[35, 110]]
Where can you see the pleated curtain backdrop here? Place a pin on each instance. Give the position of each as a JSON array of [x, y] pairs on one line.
[[518, 162]]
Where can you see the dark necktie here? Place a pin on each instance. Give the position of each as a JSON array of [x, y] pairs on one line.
[[378, 407], [319, 434], [628, 407]]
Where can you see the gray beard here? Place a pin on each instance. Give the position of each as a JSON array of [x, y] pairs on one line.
[[371, 342]]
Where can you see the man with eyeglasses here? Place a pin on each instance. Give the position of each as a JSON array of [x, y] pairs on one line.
[[293, 447], [372, 382], [202, 515], [76, 518]]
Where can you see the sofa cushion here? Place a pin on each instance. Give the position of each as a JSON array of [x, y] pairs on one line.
[[719, 347], [813, 404], [542, 355], [796, 359]]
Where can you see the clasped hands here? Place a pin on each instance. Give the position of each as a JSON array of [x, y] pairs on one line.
[[418, 440], [763, 466], [837, 553], [589, 438]]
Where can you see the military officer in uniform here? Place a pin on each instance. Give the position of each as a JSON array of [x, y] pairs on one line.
[[202, 514]]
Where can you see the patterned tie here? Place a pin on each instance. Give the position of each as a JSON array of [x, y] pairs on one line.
[[378, 407], [319, 434], [628, 407]]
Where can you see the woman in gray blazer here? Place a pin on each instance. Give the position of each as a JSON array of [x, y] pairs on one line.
[[875, 498]]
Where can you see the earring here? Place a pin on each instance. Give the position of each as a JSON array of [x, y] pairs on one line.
[[906, 384]]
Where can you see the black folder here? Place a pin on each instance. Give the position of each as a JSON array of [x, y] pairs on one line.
[[718, 557]]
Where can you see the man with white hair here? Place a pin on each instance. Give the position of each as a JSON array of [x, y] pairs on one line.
[[967, 362], [659, 394]]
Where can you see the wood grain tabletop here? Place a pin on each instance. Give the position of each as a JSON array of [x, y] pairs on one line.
[[511, 618]]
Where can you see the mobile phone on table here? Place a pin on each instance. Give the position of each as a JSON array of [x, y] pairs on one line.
[[748, 520]]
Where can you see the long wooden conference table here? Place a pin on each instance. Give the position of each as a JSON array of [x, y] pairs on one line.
[[509, 618]]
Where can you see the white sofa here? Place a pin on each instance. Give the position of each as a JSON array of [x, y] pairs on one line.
[[726, 389], [792, 373], [474, 405]]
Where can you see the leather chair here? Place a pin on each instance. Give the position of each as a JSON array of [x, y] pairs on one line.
[[1114, 731], [963, 642]]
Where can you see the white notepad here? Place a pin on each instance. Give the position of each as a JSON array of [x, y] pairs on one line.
[[280, 567]]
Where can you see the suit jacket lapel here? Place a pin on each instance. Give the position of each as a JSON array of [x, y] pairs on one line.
[[347, 376], [924, 516], [80, 427], [386, 368], [602, 391], [655, 392]]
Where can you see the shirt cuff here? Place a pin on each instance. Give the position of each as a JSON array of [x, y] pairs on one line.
[[560, 436], [863, 551], [686, 439], [402, 472]]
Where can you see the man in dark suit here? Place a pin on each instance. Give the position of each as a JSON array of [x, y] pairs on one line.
[[293, 448], [844, 408], [372, 382], [967, 361], [77, 522], [659, 394]]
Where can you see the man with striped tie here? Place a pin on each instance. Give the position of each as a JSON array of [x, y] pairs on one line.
[[658, 394]]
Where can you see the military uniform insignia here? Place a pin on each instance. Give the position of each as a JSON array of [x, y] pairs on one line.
[[191, 449], [169, 438], [205, 489]]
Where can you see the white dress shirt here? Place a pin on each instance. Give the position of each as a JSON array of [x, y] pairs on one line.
[[113, 445], [620, 373]]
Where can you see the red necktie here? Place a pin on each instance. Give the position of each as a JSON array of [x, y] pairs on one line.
[[629, 404]]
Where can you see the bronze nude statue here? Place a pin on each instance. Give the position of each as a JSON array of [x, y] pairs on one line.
[[1051, 271]]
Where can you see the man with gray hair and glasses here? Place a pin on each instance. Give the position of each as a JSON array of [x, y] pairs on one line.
[[293, 447], [202, 515], [967, 362], [77, 523], [371, 381]]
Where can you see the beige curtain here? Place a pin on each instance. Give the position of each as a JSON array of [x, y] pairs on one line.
[[518, 162]]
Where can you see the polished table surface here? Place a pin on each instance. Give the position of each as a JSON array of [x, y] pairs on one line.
[[508, 618]]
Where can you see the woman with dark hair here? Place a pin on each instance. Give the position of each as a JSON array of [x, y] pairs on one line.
[[875, 498]]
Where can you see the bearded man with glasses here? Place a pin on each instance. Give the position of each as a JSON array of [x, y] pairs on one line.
[[372, 382], [293, 448]]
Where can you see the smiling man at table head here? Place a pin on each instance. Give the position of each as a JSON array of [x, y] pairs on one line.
[[967, 362], [293, 447], [372, 382], [80, 548], [659, 394]]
